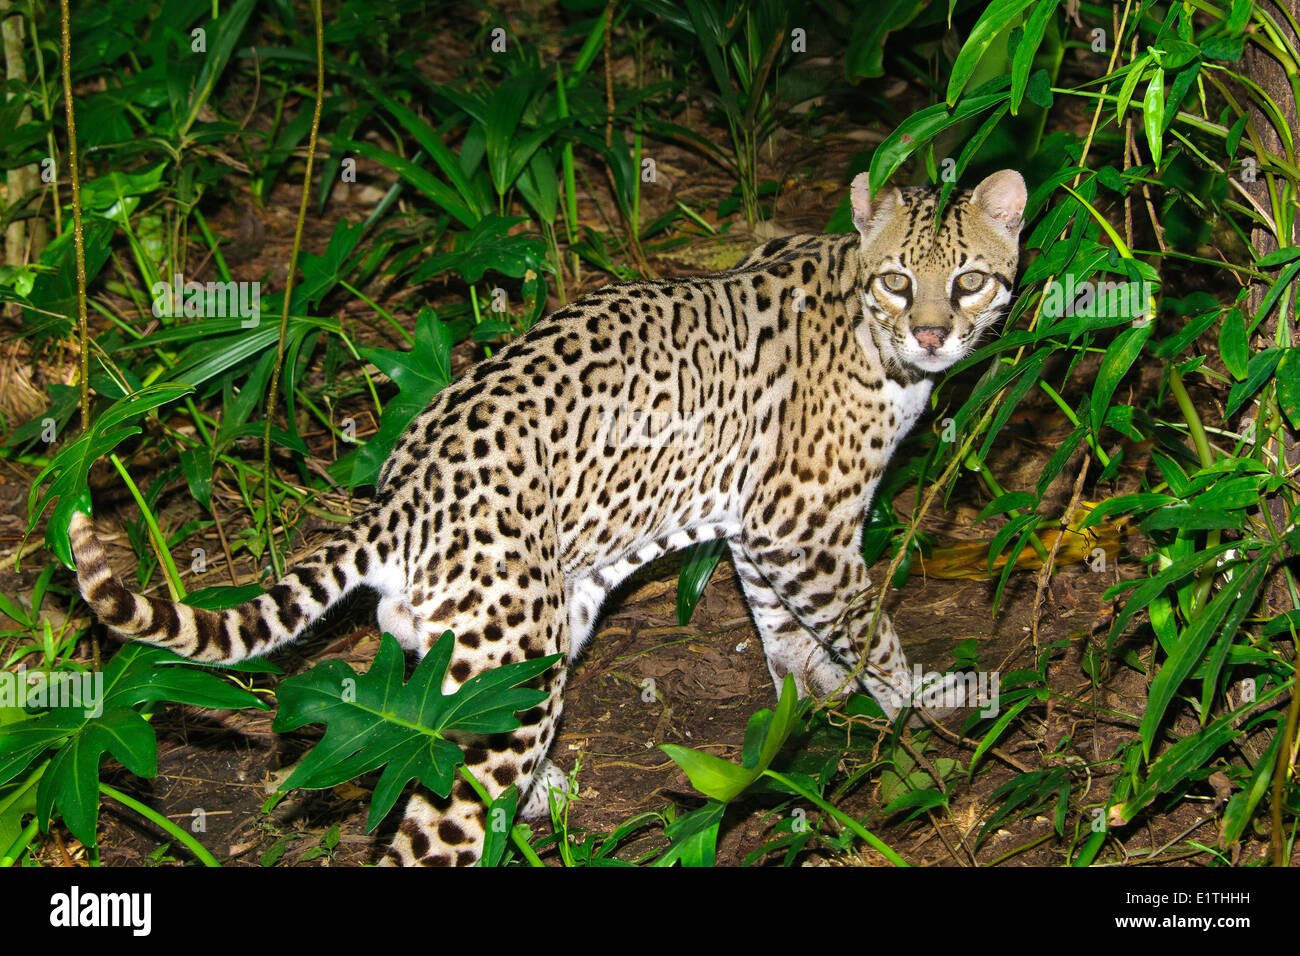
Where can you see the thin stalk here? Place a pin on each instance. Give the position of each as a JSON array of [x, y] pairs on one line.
[[78, 239], [518, 838], [172, 830], [19, 846], [844, 819], [566, 161], [383, 314], [977, 466], [159, 542], [1074, 420], [211, 240], [277, 562]]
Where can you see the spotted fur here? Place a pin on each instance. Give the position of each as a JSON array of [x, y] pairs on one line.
[[758, 405]]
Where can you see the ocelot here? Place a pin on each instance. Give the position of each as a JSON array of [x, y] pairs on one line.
[[528, 489]]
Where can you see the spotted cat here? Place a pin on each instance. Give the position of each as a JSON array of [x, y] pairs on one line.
[[535, 483]]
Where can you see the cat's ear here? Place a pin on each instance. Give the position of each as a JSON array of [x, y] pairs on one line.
[[867, 207], [1002, 195]]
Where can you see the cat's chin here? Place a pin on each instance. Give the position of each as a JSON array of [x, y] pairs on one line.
[[931, 364]]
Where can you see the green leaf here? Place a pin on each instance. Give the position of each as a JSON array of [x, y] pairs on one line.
[[995, 19], [1023, 61], [1187, 518], [135, 675], [1175, 765], [724, 781], [489, 245], [712, 776], [694, 837], [420, 374], [196, 466], [1288, 385], [1241, 807], [1234, 348], [500, 820], [694, 577], [1135, 71], [872, 25], [921, 127], [1119, 358], [72, 780], [1228, 609], [1258, 370], [918, 801], [446, 198], [375, 720], [1278, 257], [66, 474], [1153, 115], [1153, 586], [1230, 494]]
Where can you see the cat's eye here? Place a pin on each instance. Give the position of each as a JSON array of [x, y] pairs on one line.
[[895, 281], [971, 281]]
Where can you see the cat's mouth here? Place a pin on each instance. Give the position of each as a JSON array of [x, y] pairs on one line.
[[929, 349]]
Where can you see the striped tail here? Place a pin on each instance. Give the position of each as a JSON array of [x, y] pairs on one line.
[[220, 637]]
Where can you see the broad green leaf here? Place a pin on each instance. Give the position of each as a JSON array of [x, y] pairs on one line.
[[136, 674], [1003, 504], [66, 474], [1288, 385], [993, 22], [921, 127], [1023, 61], [701, 560], [871, 28], [767, 731], [489, 245], [918, 801], [1230, 494], [499, 822], [1233, 346], [1241, 807], [1227, 610], [712, 776], [374, 719], [1172, 767], [1259, 369], [1153, 115], [196, 466], [420, 374], [1278, 257], [1135, 71], [1148, 589], [1119, 358], [446, 198], [694, 837], [1188, 518]]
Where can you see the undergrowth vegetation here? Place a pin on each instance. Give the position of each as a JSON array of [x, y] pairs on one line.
[[1155, 317]]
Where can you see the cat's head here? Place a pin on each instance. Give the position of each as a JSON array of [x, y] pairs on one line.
[[928, 293]]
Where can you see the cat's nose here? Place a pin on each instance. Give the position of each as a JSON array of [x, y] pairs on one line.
[[930, 337]]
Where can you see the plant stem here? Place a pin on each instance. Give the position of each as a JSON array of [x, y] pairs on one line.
[[178, 833], [159, 542], [529, 853], [857, 828], [277, 562], [78, 238], [382, 314]]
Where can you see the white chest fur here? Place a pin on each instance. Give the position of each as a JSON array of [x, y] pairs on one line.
[[908, 402]]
